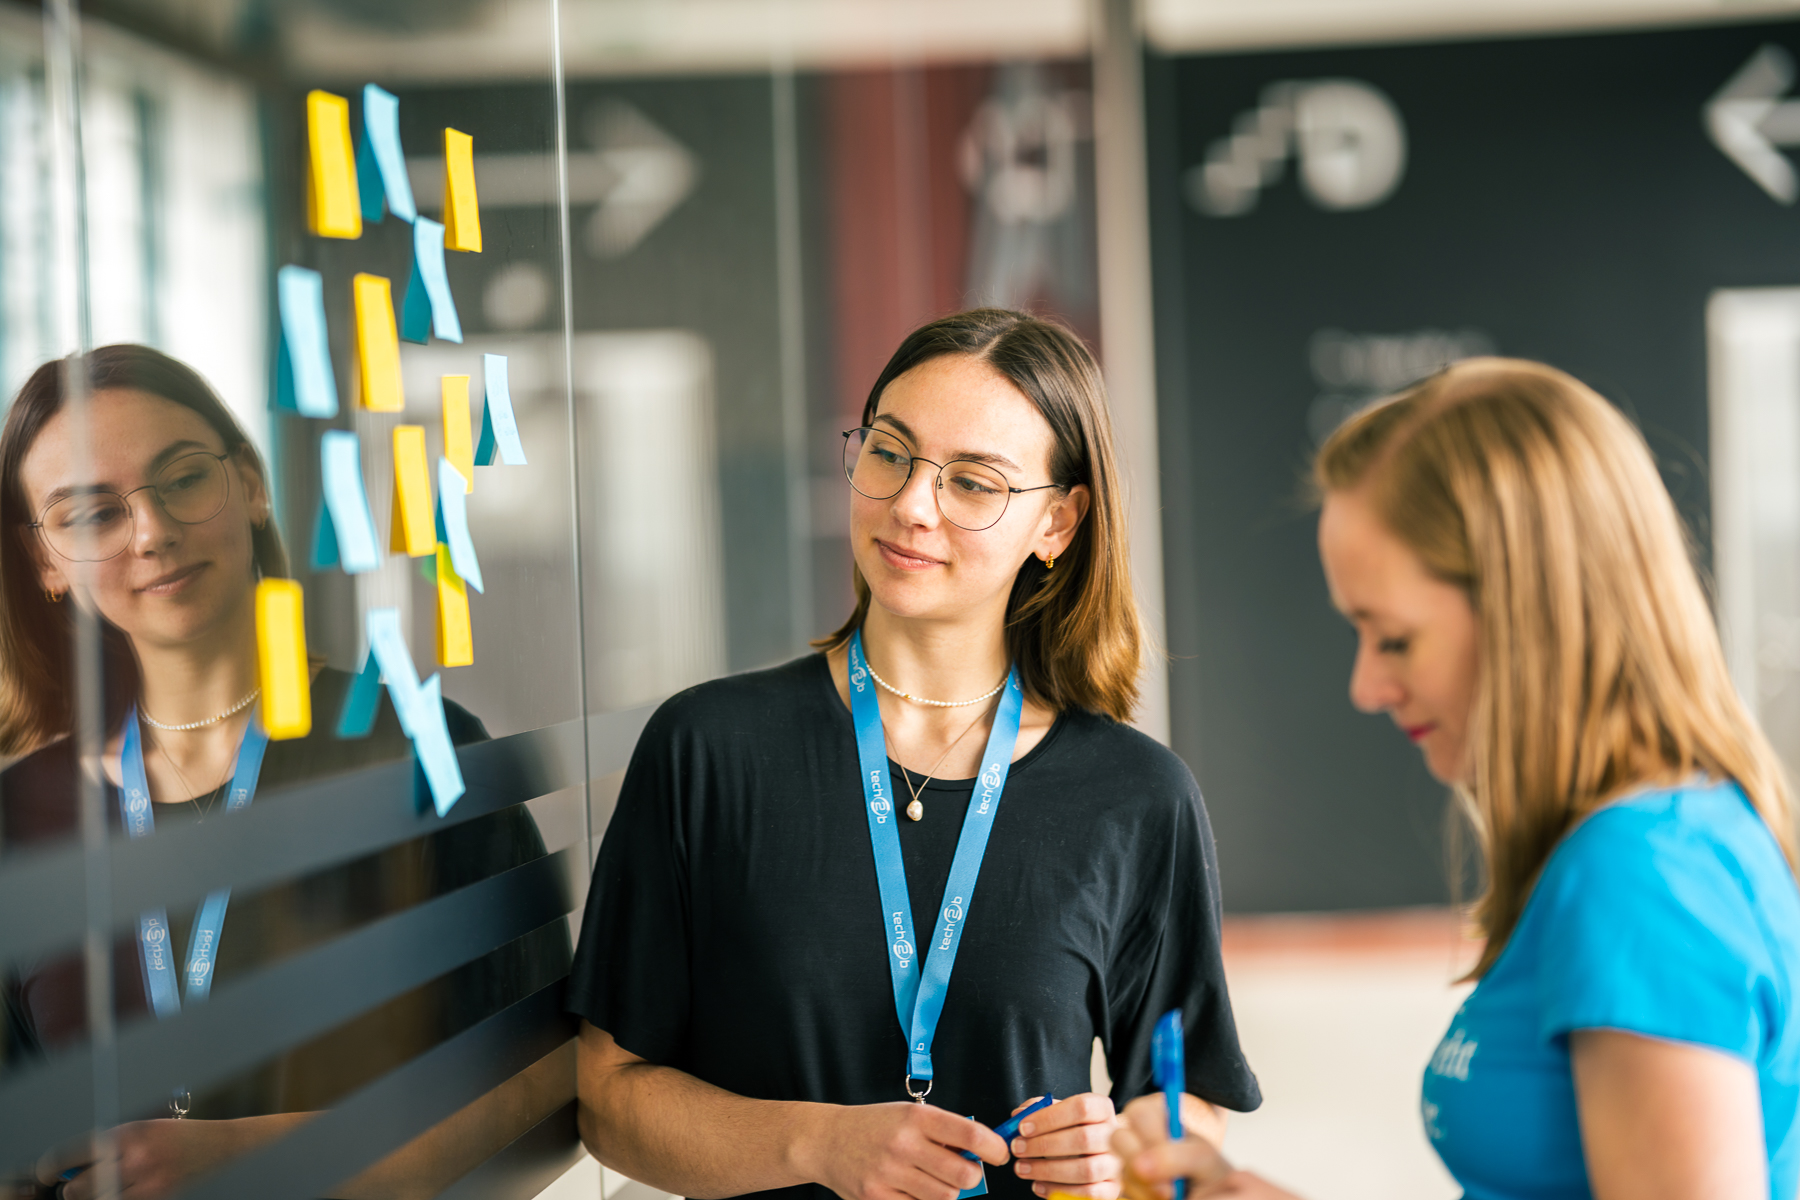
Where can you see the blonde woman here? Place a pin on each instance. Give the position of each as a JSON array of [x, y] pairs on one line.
[[1527, 614]]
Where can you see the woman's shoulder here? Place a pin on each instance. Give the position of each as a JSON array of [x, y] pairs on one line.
[[773, 698], [1091, 748], [1698, 848], [37, 796]]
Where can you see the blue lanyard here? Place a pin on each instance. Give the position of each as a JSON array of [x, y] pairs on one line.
[[919, 990], [153, 925]]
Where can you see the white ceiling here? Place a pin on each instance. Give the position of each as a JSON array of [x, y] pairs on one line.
[[504, 39]]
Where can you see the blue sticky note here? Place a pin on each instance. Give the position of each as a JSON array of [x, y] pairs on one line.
[[499, 428], [346, 512], [303, 379], [358, 717], [380, 163], [431, 742], [429, 309], [453, 523], [388, 646]]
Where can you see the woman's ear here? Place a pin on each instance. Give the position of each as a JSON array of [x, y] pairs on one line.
[[1063, 518], [256, 491], [51, 576]]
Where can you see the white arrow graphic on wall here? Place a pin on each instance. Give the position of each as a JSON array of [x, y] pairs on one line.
[[1748, 118]]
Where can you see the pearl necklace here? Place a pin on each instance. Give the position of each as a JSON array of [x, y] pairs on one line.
[[233, 711], [935, 703]]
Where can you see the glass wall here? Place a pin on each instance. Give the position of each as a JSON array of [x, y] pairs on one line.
[[466, 379]]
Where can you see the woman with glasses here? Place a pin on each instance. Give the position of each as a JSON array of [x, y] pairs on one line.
[[847, 904], [162, 534]]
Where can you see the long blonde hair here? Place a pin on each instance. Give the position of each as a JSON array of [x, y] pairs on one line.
[[1600, 666]]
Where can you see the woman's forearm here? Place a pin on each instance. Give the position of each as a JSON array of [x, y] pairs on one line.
[[665, 1128]]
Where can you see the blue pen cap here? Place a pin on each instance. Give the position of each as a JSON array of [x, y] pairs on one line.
[[1167, 1053]]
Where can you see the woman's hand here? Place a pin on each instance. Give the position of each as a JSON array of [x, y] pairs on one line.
[[155, 1158], [1068, 1148], [898, 1151], [1153, 1162]]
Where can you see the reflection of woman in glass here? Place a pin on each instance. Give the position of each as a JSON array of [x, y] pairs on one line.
[[164, 540], [750, 955], [1527, 613]]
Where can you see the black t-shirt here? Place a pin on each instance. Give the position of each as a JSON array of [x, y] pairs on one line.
[[735, 931], [45, 999]]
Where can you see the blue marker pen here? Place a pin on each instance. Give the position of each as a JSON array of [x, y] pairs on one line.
[[1009, 1129], [1168, 1067]]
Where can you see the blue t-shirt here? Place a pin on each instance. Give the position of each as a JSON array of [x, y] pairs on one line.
[[1670, 914]]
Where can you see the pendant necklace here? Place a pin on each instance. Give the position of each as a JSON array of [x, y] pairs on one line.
[[916, 810]]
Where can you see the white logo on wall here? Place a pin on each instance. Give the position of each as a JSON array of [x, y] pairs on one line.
[[1348, 137], [1747, 119], [1351, 369]]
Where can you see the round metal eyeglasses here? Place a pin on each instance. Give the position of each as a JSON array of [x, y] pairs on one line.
[[93, 526], [971, 495]]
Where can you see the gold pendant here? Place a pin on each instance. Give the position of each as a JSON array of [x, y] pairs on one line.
[[915, 810]]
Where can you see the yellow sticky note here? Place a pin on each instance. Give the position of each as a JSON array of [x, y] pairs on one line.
[[410, 525], [455, 638], [377, 345], [462, 211], [333, 208], [285, 676], [459, 438]]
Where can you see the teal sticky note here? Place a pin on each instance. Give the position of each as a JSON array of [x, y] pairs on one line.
[[436, 753], [453, 523], [499, 427], [429, 309], [380, 162], [303, 379], [358, 715], [325, 544], [352, 525]]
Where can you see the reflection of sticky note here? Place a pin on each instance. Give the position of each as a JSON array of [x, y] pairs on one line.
[[380, 164], [303, 379], [453, 525], [499, 427], [285, 676], [429, 308], [431, 742], [346, 516], [377, 345], [358, 716], [410, 527], [455, 640], [459, 437], [462, 212], [333, 208]]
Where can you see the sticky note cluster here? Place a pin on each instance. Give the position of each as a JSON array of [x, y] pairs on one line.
[[419, 707]]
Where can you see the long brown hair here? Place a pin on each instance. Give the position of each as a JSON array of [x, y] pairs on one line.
[[36, 635], [1601, 669], [1073, 631]]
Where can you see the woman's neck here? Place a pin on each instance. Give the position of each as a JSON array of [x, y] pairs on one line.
[[198, 680], [935, 660]]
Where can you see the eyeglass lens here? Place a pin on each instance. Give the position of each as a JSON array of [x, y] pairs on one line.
[[94, 526], [971, 495]]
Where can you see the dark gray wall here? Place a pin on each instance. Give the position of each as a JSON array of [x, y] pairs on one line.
[[1562, 199]]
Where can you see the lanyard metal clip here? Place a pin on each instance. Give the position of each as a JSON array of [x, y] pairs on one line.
[[918, 1097]]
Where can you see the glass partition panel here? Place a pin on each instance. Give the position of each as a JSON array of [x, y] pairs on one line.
[[339, 736]]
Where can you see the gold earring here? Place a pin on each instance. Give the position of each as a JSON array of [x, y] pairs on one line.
[[53, 597], [1050, 563]]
